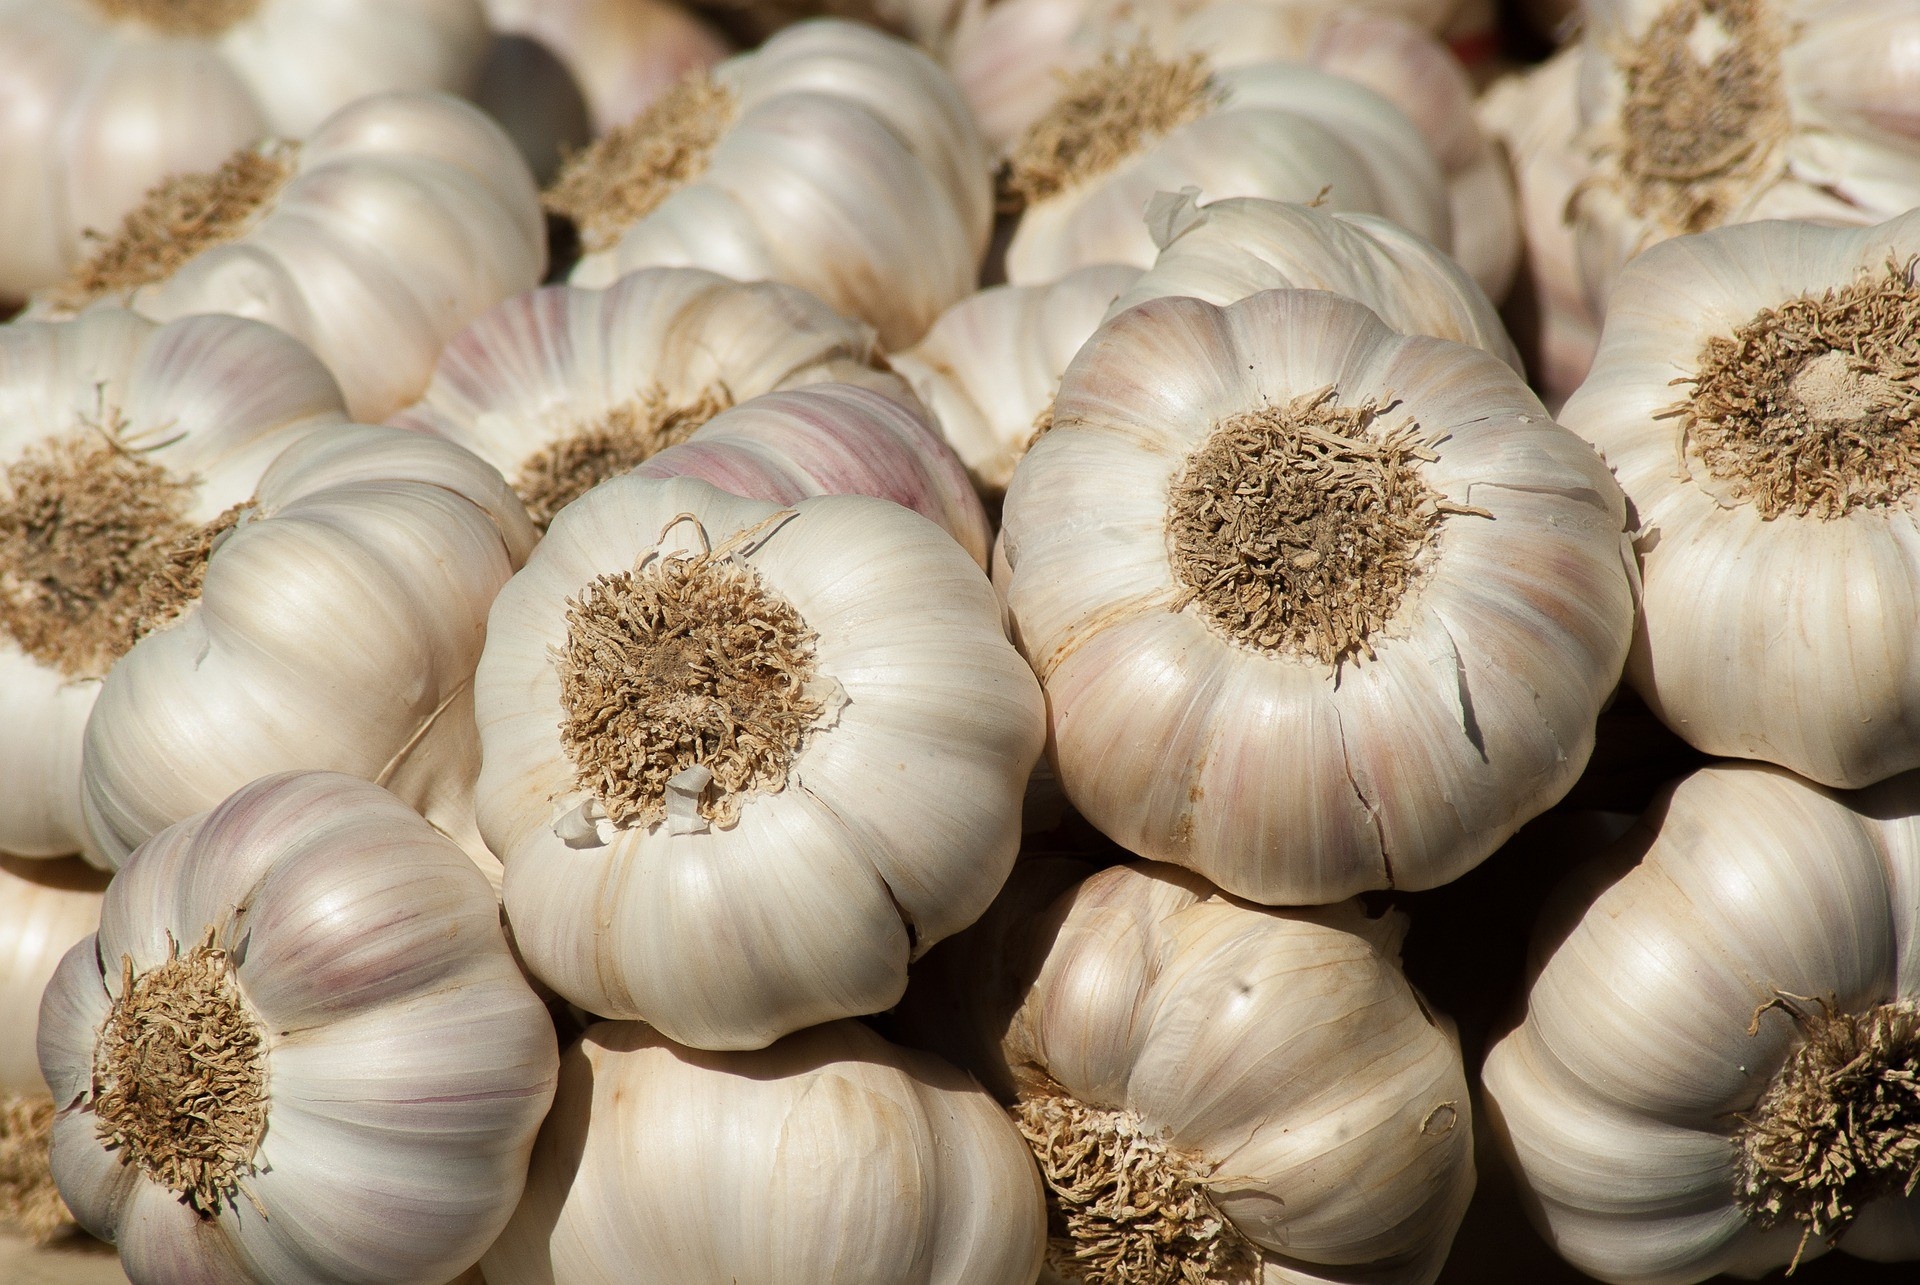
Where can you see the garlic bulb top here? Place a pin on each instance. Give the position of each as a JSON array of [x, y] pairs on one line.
[[831, 1156], [325, 979], [109, 97], [1715, 1071], [833, 157], [760, 842], [373, 242], [1756, 391], [1703, 113], [340, 614], [1318, 608], [122, 445]]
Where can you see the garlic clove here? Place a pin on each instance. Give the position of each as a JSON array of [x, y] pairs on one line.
[[1861, 66], [48, 48]]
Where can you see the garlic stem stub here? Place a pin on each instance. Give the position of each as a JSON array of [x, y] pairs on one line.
[[744, 761], [1318, 608]]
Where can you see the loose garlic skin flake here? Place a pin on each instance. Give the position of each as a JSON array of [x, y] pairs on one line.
[[1775, 499], [383, 1066], [1386, 736], [1675, 1057], [864, 798]]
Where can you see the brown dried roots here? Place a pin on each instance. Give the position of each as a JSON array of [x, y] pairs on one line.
[[1299, 528], [1839, 1126], [628, 435], [619, 179], [180, 17], [687, 661], [180, 1076], [1704, 112], [1124, 1206], [29, 1201], [179, 218], [1105, 114], [1813, 407]]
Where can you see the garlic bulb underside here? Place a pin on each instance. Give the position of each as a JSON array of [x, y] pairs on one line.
[[1675, 1100], [623, 54], [337, 628], [990, 366], [1774, 485], [831, 1156], [834, 158], [1134, 125], [1296, 1112], [122, 443], [833, 439], [1226, 250], [326, 979], [373, 242], [836, 787], [564, 387], [109, 97], [1698, 114], [1318, 608]]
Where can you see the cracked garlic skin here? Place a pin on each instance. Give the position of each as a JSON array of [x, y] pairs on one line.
[[1318, 607], [1756, 394], [1715, 1070], [833, 786], [326, 980], [122, 443], [1297, 1113], [830, 1156]]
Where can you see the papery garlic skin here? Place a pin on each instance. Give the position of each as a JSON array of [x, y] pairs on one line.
[[407, 1064], [338, 630], [45, 907], [1283, 775], [623, 53], [104, 109], [1662, 1017], [899, 815], [849, 166], [1724, 584], [210, 401]]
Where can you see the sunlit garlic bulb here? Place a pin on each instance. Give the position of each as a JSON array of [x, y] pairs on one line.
[[833, 158], [1318, 607], [1716, 1069], [1698, 114], [123, 443], [1757, 392], [737, 848], [298, 1050]]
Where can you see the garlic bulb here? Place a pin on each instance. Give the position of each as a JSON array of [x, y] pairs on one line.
[[990, 366], [1318, 608], [109, 97], [1715, 1070], [372, 242], [1134, 125], [623, 54], [1215, 1091], [838, 782], [1698, 114], [324, 981], [340, 613], [1756, 394], [122, 444], [834, 158]]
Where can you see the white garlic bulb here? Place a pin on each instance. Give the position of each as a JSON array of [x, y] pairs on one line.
[[838, 779], [1214, 1091], [372, 242], [1698, 114], [1755, 391], [834, 158], [1715, 1070], [324, 980], [122, 442], [340, 612], [1318, 607], [109, 97]]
